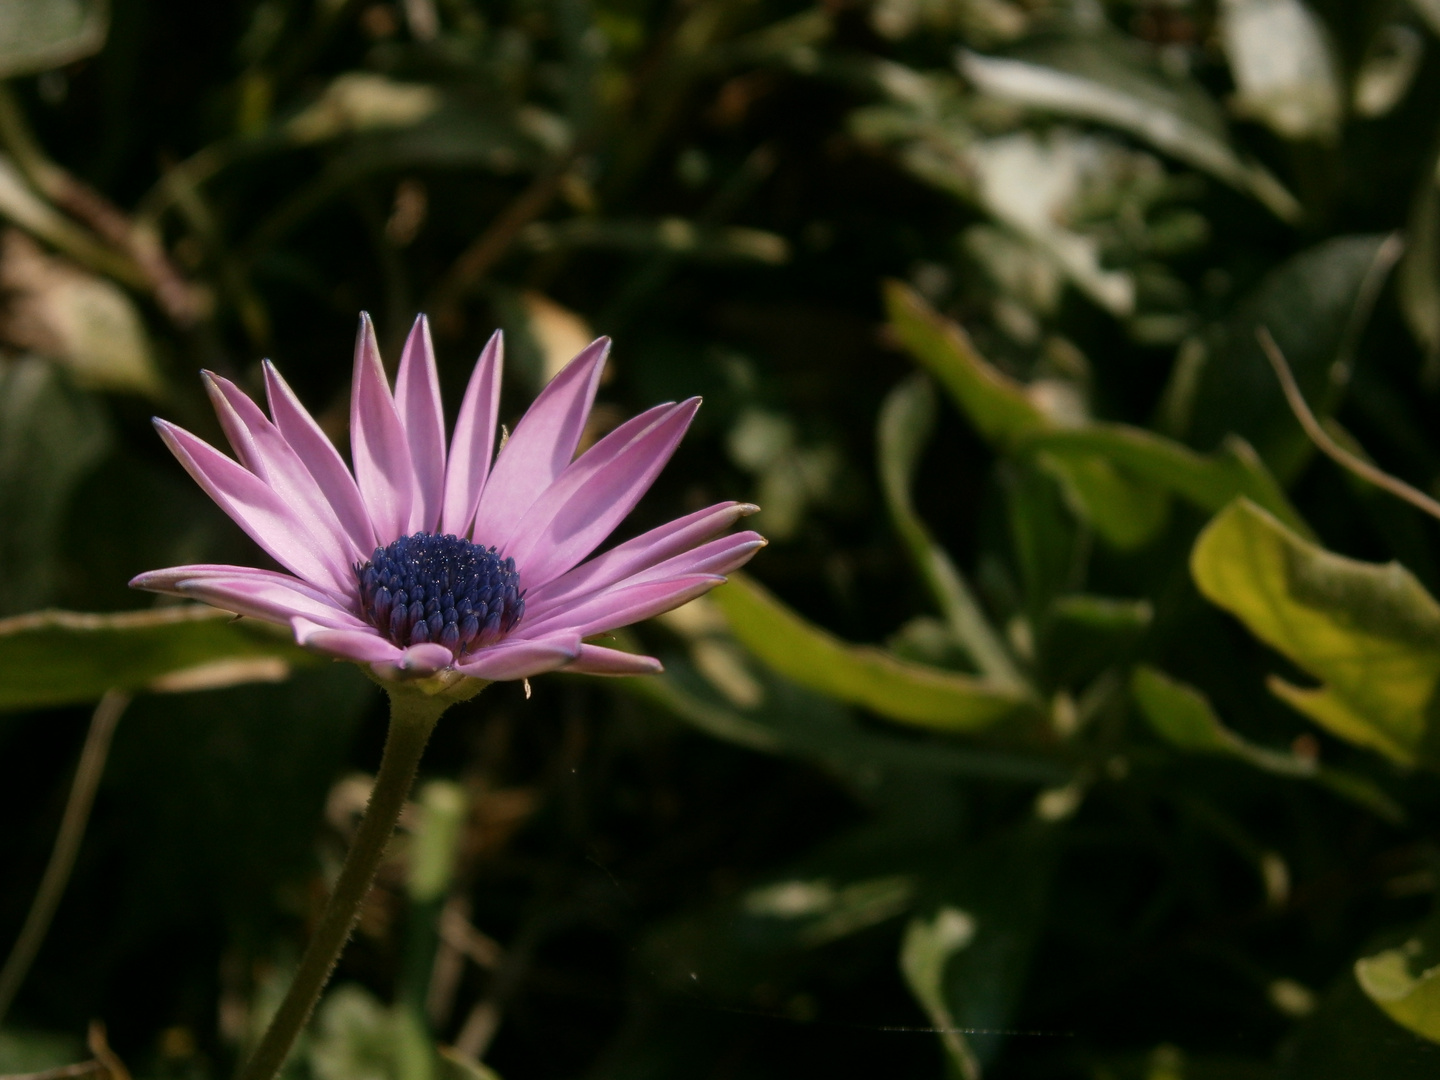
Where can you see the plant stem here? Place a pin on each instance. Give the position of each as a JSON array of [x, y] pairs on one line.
[[413, 715], [67, 846]]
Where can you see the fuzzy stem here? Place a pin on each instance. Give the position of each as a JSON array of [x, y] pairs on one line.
[[412, 718]]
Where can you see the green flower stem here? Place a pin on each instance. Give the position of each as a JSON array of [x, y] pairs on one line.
[[413, 715]]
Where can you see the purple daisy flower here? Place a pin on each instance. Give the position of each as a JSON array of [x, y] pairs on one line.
[[468, 562]]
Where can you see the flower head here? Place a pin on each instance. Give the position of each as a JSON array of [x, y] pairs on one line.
[[464, 562]]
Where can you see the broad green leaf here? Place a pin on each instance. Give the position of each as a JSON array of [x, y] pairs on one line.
[[37, 35], [925, 953], [859, 674], [1411, 998], [53, 658], [1315, 304], [1369, 633], [1210, 482], [907, 419], [1106, 78], [1184, 717]]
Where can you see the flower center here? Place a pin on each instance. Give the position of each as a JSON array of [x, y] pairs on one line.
[[440, 588]]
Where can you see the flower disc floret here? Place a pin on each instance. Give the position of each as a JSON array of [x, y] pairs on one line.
[[444, 589]]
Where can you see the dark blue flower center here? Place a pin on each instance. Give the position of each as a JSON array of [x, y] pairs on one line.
[[440, 588]]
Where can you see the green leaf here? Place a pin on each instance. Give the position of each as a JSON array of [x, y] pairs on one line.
[[1410, 998], [1126, 513], [968, 962], [995, 403], [1315, 304], [861, 675], [1183, 717], [51, 658], [1107, 78], [907, 419], [925, 953], [37, 35], [1350, 1036], [721, 691], [1370, 633], [1210, 482]]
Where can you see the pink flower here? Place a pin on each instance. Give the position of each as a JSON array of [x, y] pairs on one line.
[[423, 561]]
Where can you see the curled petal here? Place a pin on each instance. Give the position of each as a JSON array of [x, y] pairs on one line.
[[378, 444], [417, 399], [542, 445], [598, 660], [520, 659], [473, 444]]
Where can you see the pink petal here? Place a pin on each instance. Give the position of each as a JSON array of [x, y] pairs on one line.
[[269, 602], [592, 496], [542, 445], [362, 646], [614, 608], [519, 659], [426, 658], [320, 457], [417, 399], [263, 514], [164, 581], [264, 451], [598, 660], [661, 559], [378, 445], [263, 594], [473, 445]]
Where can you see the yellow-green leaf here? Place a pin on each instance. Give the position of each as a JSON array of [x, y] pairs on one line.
[[1411, 1000], [859, 674], [1183, 717], [1370, 633]]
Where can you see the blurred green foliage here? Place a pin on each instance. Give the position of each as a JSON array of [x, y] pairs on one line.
[[1080, 720]]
